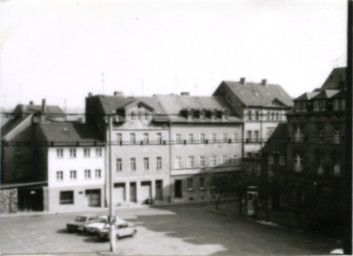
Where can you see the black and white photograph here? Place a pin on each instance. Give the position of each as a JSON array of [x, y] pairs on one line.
[[176, 127]]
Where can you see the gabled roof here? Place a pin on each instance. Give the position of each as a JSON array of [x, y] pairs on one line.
[[51, 110], [254, 94], [70, 132], [325, 94], [11, 124], [278, 140], [336, 79], [307, 96]]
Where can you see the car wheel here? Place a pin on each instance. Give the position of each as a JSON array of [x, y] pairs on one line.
[[134, 233]]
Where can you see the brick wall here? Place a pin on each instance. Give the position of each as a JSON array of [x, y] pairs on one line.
[[8, 201]]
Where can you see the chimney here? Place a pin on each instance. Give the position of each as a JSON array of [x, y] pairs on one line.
[[89, 94], [116, 93], [44, 109], [31, 103], [264, 82], [184, 93], [243, 81]]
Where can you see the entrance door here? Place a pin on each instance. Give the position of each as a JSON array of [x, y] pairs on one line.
[[178, 189], [133, 192], [145, 191], [93, 197], [119, 193], [30, 199], [159, 189]]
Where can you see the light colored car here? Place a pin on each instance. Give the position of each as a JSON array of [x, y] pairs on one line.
[[79, 223], [92, 228], [121, 230]]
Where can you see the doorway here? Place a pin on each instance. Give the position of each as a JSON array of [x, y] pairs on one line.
[[178, 193]]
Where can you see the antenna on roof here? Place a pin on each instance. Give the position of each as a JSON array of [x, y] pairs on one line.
[[142, 87]]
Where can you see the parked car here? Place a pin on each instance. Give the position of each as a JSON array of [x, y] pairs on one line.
[[121, 229], [79, 223], [92, 228]]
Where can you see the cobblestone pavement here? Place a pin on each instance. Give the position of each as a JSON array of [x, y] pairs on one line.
[[172, 230]]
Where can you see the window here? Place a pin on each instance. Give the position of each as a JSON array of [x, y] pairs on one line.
[[214, 137], [133, 116], [322, 105], [270, 159], [298, 135], [235, 137], [257, 115], [277, 116], [298, 163], [132, 138], [202, 138], [268, 116], [72, 152], [320, 170], [87, 174], [97, 173], [59, 175], [73, 174], [119, 164], [343, 104], [190, 185], [202, 182], [273, 116], [146, 163], [191, 138], [60, 152], [316, 105], [178, 138], [213, 160], [337, 169], [159, 138], [282, 160], [248, 135], [119, 138], [249, 115], [297, 106], [178, 162], [224, 159], [336, 105], [256, 134], [190, 161], [224, 137], [133, 164], [202, 161], [66, 197], [257, 168], [146, 139], [98, 152], [303, 106], [336, 136], [159, 163], [86, 152]]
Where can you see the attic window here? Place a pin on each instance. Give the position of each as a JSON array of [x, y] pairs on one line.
[[65, 129]]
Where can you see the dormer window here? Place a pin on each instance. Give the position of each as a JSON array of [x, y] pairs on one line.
[[336, 104], [303, 106], [132, 116], [202, 114], [297, 107], [322, 105], [343, 104], [249, 115], [316, 105]]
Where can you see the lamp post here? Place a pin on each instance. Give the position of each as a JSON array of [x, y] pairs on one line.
[[111, 187]]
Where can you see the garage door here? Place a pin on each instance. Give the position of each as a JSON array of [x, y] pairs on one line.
[[119, 192], [145, 191]]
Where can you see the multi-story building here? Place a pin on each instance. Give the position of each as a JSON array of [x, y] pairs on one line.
[[166, 147], [310, 182], [262, 106], [204, 143], [71, 155], [140, 154], [21, 182]]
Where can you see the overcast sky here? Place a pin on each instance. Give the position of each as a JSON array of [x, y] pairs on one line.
[[58, 50]]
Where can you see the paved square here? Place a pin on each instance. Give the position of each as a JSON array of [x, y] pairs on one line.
[[172, 230]]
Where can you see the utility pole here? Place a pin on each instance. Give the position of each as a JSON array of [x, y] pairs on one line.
[[111, 188]]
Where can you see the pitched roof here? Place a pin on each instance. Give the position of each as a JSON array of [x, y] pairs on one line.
[[278, 139], [307, 95], [340, 95], [336, 79], [254, 94], [11, 124], [51, 110], [70, 132], [325, 94]]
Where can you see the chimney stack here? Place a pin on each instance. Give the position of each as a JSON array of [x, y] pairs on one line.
[[120, 94], [31, 103], [243, 81], [264, 82], [184, 93], [44, 110], [89, 94]]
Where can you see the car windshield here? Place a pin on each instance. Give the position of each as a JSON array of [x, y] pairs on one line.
[[103, 220], [81, 218]]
